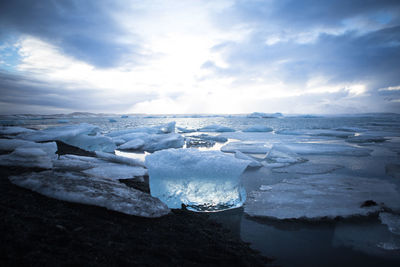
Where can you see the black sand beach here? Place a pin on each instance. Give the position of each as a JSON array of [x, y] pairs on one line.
[[40, 231]]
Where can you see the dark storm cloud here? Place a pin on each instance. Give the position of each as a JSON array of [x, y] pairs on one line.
[[82, 29], [18, 90]]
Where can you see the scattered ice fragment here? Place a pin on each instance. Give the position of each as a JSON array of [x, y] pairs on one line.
[[185, 130], [14, 130], [309, 168], [216, 128], [124, 116], [392, 221], [68, 164], [317, 196], [258, 128], [253, 162], [112, 120], [119, 159], [115, 171], [27, 157], [282, 154], [201, 180], [195, 142], [74, 187], [246, 147], [216, 138], [327, 149]]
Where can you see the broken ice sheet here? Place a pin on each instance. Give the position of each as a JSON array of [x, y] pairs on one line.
[[75, 187]]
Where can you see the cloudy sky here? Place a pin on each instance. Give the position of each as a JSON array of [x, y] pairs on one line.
[[216, 56]]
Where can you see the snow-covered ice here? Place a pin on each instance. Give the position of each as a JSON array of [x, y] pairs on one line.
[[216, 128], [253, 162], [318, 196], [202, 180], [258, 128], [246, 147], [74, 187]]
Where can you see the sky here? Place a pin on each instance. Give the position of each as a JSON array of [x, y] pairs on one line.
[[210, 56]]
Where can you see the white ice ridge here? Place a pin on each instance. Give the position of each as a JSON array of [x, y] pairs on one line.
[[392, 221], [253, 162], [202, 180], [258, 128], [150, 142], [247, 147], [216, 128], [160, 129], [320, 196], [74, 187], [84, 136]]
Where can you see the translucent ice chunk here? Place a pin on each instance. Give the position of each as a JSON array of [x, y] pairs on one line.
[[151, 142], [116, 171], [253, 162], [10, 144], [74, 187], [327, 149], [201, 180], [160, 129], [282, 154]]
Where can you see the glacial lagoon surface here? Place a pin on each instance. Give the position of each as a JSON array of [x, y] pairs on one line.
[[321, 190]]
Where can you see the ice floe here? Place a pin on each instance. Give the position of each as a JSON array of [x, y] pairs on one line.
[[282, 155], [308, 168], [317, 132], [74, 187], [201, 180], [151, 142], [196, 142], [253, 162], [317, 196], [327, 149], [216, 138], [10, 144], [216, 128], [160, 129], [119, 159], [185, 130], [115, 171], [258, 128], [246, 147]]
